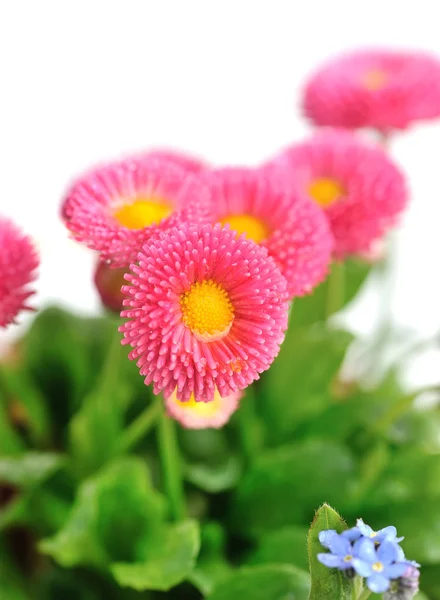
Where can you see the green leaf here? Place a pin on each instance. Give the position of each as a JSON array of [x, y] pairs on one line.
[[215, 478], [298, 385], [10, 441], [212, 565], [264, 582], [30, 469], [54, 352], [287, 545], [327, 584], [168, 559], [113, 514], [283, 485], [210, 462], [26, 402], [311, 309], [96, 429]]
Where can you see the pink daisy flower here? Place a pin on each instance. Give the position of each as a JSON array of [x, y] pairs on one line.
[[116, 208], [201, 415], [294, 230], [190, 163], [18, 261], [382, 89], [207, 311], [358, 187], [108, 283]]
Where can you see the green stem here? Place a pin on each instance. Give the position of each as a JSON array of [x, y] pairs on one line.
[[365, 594], [139, 428], [171, 465], [110, 372], [250, 431], [335, 289]]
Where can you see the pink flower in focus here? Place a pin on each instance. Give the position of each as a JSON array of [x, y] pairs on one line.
[[294, 230], [201, 415], [207, 311], [359, 188], [382, 89], [117, 207], [18, 261]]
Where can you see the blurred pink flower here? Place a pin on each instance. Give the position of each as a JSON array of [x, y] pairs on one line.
[[294, 230], [190, 163], [108, 283], [207, 311], [200, 415], [382, 89], [359, 188], [116, 208], [18, 261]]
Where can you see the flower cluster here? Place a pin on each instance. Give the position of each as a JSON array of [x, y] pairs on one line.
[[214, 254], [374, 555]]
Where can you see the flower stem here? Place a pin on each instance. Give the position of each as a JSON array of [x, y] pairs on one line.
[[171, 465], [139, 428], [250, 432], [110, 371], [365, 594], [335, 289]]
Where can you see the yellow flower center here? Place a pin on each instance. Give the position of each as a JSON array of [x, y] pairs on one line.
[[374, 79], [201, 409], [373, 534], [326, 191], [348, 558], [207, 310], [377, 566], [253, 227], [141, 213]]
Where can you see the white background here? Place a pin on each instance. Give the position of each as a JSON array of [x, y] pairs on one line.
[[89, 80]]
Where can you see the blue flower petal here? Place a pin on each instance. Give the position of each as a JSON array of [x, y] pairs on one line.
[[329, 560], [365, 550], [362, 568], [400, 555], [411, 563], [363, 528], [395, 571], [377, 583], [387, 552], [325, 536], [387, 533], [352, 534], [340, 545]]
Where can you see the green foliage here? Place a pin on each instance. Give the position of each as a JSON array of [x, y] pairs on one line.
[[291, 480], [81, 473], [284, 545], [167, 558], [314, 308], [29, 469], [264, 582], [297, 387]]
